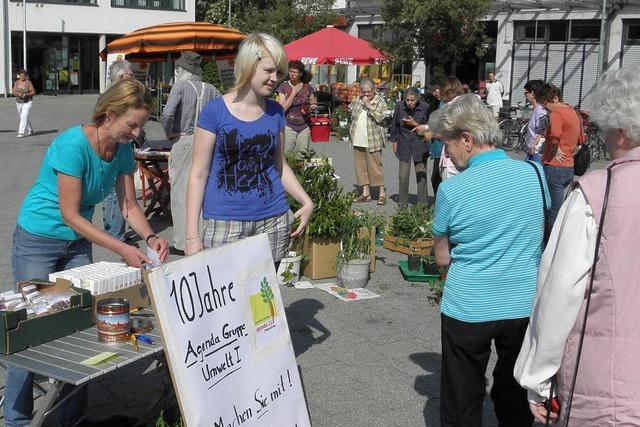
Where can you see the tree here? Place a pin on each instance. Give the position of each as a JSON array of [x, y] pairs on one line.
[[435, 31], [287, 20]]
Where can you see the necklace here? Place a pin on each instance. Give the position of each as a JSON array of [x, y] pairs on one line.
[[100, 161]]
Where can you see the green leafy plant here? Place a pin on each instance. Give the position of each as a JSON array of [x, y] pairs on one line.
[[356, 239], [436, 287], [341, 121], [288, 275], [412, 223], [161, 422], [317, 177]]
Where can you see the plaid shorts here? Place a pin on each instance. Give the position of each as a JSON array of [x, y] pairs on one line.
[[278, 228]]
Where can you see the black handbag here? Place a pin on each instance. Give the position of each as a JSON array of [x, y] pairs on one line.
[[582, 157]]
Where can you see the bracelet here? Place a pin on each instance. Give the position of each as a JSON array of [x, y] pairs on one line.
[[148, 237], [192, 239]]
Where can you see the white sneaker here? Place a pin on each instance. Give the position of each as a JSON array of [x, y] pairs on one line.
[[30, 132], [20, 135]]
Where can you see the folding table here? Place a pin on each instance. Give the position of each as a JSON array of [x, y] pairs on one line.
[[60, 360]]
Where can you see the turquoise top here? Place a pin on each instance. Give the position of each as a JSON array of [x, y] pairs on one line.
[[71, 154], [493, 216]]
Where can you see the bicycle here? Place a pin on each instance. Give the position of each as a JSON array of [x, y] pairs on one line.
[[514, 127], [594, 137]]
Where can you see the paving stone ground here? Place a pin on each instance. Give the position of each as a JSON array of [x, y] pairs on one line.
[[376, 364]]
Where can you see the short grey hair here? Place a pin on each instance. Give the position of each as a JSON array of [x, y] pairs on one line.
[[617, 102], [411, 91], [367, 82], [466, 114], [118, 68]]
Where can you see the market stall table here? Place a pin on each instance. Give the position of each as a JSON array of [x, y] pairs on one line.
[[155, 174], [61, 360]]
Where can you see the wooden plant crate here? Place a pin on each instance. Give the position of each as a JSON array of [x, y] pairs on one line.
[[408, 247]]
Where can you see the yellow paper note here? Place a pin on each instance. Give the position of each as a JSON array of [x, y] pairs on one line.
[[100, 358]]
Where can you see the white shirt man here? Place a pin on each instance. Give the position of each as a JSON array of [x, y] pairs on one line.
[[494, 94]]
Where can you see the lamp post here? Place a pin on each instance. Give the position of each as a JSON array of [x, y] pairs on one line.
[[24, 34], [229, 19], [603, 31]]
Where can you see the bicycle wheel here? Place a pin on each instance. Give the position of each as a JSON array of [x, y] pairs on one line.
[[522, 135], [505, 128], [512, 136]]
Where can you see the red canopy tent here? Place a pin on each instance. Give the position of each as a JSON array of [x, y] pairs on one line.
[[331, 46]]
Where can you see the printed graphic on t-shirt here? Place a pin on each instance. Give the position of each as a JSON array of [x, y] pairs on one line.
[[245, 164]]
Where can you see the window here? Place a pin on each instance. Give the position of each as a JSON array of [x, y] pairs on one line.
[[527, 32], [372, 32], [633, 31], [585, 30], [150, 4], [69, 2]]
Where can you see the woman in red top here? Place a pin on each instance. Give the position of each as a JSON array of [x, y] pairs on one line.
[[562, 138]]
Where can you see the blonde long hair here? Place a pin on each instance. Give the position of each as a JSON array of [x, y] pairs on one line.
[[252, 49]]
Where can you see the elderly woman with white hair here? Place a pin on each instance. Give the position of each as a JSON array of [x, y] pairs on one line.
[[590, 271], [492, 250], [368, 134]]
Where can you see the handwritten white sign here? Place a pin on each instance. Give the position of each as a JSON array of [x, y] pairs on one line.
[[226, 338]]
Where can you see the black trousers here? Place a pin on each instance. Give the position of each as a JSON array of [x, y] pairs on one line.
[[436, 179], [466, 348]]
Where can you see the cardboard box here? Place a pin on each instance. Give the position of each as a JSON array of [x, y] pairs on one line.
[[322, 256], [18, 333], [137, 295], [407, 247]]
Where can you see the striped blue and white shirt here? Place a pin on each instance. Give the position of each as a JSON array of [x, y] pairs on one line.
[[493, 216]]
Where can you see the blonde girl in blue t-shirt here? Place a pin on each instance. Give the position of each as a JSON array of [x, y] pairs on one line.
[[239, 178]]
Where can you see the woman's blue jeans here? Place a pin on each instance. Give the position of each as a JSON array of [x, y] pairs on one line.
[[558, 179], [34, 257], [112, 219]]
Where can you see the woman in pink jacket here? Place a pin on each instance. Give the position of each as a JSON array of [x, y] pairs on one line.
[[593, 369]]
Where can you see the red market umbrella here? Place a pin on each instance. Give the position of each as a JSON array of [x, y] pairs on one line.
[[331, 46], [153, 44]]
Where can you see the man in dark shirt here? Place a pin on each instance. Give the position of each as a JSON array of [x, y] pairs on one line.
[[408, 145]]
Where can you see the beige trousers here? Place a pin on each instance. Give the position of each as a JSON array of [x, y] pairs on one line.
[[368, 167], [297, 141]]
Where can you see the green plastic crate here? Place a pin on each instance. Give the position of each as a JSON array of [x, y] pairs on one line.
[[416, 276]]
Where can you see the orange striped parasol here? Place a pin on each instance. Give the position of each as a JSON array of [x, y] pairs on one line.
[[153, 44]]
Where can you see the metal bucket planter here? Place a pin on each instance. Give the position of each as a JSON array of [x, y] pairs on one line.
[[354, 273], [292, 259]]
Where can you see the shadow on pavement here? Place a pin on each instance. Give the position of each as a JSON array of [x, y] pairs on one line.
[[44, 132], [429, 384], [301, 316]]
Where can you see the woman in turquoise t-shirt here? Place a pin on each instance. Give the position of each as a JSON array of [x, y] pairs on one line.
[[239, 176], [54, 230]]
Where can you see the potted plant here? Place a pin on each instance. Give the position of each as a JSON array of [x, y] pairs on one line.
[[322, 238], [289, 268], [356, 245], [341, 121]]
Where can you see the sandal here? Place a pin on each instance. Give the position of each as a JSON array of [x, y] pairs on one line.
[[362, 199], [382, 200]]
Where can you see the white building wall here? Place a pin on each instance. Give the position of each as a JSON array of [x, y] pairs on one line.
[[102, 19], [64, 19]]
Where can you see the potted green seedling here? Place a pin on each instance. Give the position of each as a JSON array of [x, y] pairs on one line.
[[356, 244]]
